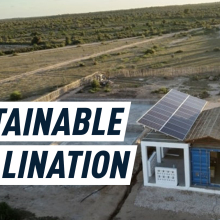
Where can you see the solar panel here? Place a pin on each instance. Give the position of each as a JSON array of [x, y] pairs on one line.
[[174, 114], [160, 113]]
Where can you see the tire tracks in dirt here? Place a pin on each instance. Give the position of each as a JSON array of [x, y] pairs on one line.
[[61, 64]]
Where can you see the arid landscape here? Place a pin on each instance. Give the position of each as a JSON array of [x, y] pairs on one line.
[[136, 55], [127, 63]]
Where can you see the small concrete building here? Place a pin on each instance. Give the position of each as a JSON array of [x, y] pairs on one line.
[[190, 164]]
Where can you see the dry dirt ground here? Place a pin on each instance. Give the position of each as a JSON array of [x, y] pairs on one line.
[[162, 204], [146, 88], [66, 202]]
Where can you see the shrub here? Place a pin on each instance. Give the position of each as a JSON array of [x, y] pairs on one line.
[[82, 64], [94, 90], [77, 41], [121, 67], [179, 51], [95, 84], [36, 40], [150, 51], [133, 66], [136, 59], [204, 95], [125, 60], [162, 90], [107, 89], [7, 213], [195, 78], [15, 96], [68, 40], [186, 11], [15, 54], [217, 49]]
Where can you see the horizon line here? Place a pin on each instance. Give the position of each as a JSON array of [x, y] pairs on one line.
[[104, 11]]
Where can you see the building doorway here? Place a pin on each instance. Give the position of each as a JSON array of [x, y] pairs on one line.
[[215, 167]]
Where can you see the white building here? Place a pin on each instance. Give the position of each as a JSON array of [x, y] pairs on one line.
[[189, 163]]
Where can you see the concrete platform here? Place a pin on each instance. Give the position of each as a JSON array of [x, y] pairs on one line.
[[158, 204], [179, 201]]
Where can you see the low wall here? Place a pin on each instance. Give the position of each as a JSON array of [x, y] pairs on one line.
[[166, 72], [61, 91]]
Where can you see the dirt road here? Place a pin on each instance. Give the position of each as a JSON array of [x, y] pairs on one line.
[[71, 47], [87, 57]]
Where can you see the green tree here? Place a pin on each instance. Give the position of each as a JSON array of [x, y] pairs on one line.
[[36, 40], [186, 11], [68, 40]]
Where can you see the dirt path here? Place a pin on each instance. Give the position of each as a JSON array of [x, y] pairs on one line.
[[71, 47], [86, 57]]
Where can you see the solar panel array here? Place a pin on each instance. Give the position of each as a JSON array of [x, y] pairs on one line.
[[174, 114]]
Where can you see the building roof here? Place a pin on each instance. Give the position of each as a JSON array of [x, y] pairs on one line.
[[160, 137], [207, 125]]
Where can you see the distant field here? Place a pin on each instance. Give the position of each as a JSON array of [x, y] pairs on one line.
[[13, 65], [199, 48], [58, 31], [179, 50]]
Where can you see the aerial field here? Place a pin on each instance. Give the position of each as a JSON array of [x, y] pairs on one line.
[[186, 49], [141, 54], [109, 42]]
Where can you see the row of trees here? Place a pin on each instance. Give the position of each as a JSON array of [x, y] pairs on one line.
[[85, 28]]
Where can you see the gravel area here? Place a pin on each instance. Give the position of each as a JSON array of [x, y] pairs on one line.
[[178, 201]]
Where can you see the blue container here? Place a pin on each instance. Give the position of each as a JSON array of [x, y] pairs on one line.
[[200, 166]]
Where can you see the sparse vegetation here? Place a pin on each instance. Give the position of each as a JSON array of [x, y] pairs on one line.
[[36, 40], [81, 64], [8, 213], [150, 51], [121, 67], [159, 53], [95, 86], [179, 51], [107, 89], [162, 90], [15, 54], [133, 66], [57, 31], [204, 94], [217, 49], [15, 96], [195, 78], [95, 62]]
